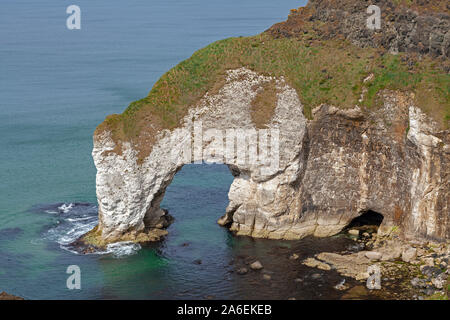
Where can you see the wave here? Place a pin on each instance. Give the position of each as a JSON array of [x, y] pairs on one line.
[[122, 249], [74, 220]]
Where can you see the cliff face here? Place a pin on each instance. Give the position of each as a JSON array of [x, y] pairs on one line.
[[330, 163], [420, 27], [332, 169]]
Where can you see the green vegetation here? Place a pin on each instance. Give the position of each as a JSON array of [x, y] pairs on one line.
[[329, 72], [438, 296]]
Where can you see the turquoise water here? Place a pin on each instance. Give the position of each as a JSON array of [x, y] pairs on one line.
[[56, 86]]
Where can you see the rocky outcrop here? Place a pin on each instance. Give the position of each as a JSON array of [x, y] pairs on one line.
[[293, 176], [422, 27], [7, 296], [130, 193], [392, 160], [420, 268]]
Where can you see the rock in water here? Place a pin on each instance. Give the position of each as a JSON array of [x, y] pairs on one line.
[[267, 277], [341, 286], [256, 265], [293, 256], [314, 263], [440, 281], [242, 271]]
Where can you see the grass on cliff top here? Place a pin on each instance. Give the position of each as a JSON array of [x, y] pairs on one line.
[[329, 72]]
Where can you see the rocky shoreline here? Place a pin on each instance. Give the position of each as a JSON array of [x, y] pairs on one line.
[[7, 296], [416, 269]]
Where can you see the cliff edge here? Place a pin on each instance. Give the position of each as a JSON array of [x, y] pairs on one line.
[[360, 118]]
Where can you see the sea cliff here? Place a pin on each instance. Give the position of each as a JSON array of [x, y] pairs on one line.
[[361, 117]]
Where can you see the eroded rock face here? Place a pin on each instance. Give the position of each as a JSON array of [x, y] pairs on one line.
[[129, 193], [392, 160], [423, 27]]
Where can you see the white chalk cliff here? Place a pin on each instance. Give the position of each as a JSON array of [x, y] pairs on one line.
[[392, 160]]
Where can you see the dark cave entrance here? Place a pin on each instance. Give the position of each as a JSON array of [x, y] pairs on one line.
[[368, 221]]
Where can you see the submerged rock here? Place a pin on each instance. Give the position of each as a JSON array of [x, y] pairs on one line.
[[440, 281], [242, 271], [341, 286], [294, 256], [256, 265]]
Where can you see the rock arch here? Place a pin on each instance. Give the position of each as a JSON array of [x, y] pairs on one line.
[[329, 169], [130, 193]]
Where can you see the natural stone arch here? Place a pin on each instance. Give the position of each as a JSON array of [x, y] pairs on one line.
[[130, 193], [329, 170]]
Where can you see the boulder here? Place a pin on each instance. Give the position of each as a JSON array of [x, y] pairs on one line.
[[314, 263], [409, 254], [373, 255], [440, 281], [256, 265], [267, 277], [293, 256], [242, 271]]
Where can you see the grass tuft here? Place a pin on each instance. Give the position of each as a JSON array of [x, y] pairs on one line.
[[329, 72]]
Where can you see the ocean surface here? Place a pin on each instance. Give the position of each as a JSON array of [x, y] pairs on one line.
[[56, 86]]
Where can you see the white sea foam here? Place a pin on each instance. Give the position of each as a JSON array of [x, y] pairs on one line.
[[76, 220], [65, 208], [121, 249]]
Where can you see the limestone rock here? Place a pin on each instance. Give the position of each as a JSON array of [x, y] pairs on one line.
[[242, 271], [256, 265], [353, 265], [373, 255], [391, 252], [321, 162], [409, 254], [418, 283], [293, 256], [313, 263], [440, 281], [341, 286]]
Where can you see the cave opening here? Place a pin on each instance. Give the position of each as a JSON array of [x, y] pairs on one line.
[[368, 221]]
